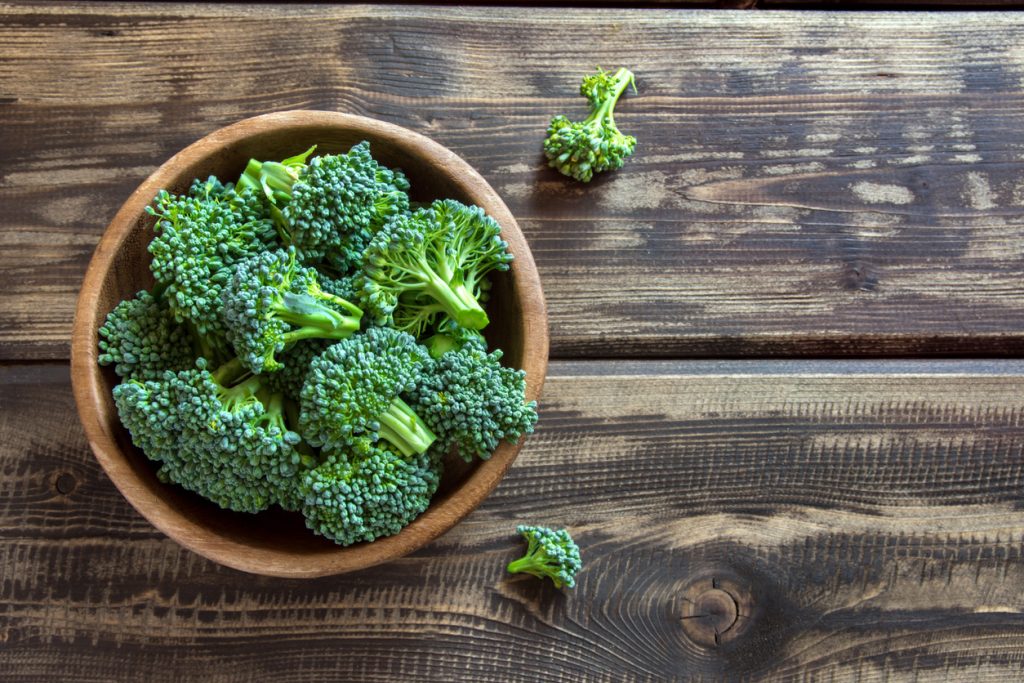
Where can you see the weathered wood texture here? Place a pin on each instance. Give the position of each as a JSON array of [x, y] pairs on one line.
[[952, 5], [804, 183], [871, 509]]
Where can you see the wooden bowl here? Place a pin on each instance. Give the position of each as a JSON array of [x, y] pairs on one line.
[[277, 543]]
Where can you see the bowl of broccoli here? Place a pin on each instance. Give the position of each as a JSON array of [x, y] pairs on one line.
[[309, 343]]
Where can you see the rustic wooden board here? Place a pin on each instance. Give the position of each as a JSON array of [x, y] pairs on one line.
[[804, 183], [871, 509]]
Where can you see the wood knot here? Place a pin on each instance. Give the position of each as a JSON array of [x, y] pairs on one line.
[[715, 611], [64, 483]]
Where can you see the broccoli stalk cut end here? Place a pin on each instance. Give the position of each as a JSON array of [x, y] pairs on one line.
[[404, 429]]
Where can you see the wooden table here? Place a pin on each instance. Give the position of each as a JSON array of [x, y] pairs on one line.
[[785, 413]]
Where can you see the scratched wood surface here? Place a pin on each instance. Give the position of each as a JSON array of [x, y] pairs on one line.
[[871, 509], [824, 184], [805, 185]]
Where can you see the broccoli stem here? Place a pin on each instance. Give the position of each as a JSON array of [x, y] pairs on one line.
[[530, 564], [273, 409], [623, 78], [313, 319], [404, 429], [458, 302], [275, 177], [235, 397], [229, 372], [440, 344]]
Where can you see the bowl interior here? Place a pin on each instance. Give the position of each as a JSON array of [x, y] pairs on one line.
[[276, 542]]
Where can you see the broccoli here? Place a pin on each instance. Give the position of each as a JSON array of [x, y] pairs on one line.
[[272, 302], [471, 402], [274, 179], [141, 339], [451, 337], [149, 411], [582, 148], [200, 236], [550, 553], [332, 206], [361, 497], [430, 263], [352, 396], [276, 359], [218, 434], [344, 286], [294, 361]]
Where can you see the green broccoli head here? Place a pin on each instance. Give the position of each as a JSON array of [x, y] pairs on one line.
[[352, 395], [200, 236], [271, 302], [354, 497], [331, 206], [552, 554], [225, 439], [582, 148], [472, 402], [149, 411], [433, 263], [294, 361], [141, 339]]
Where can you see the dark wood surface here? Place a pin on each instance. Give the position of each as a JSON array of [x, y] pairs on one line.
[[808, 188], [824, 184]]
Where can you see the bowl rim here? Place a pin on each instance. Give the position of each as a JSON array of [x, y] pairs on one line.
[[89, 390]]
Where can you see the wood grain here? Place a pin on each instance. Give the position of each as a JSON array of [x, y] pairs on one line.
[[826, 184], [872, 510]]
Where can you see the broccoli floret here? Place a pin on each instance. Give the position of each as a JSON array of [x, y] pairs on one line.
[[149, 411], [582, 148], [451, 337], [352, 396], [332, 206], [141, 339], [199, 238], [361, 497], [274, 179], [345, 286], [222, 438], [433, 263], [472, 402], [294, 360], [272, 302], [550, 553]]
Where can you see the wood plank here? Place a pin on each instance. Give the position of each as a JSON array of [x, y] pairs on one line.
[[827, 184], [876, 5], [871, 509]]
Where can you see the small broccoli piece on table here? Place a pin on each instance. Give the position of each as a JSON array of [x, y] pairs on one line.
[[218, 434], [552, 554], [582, 148], [331, 206], [200, 236], [141, 339], [472, 402], [361, 497], [272, 302], [433, 263], [352, 396]]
